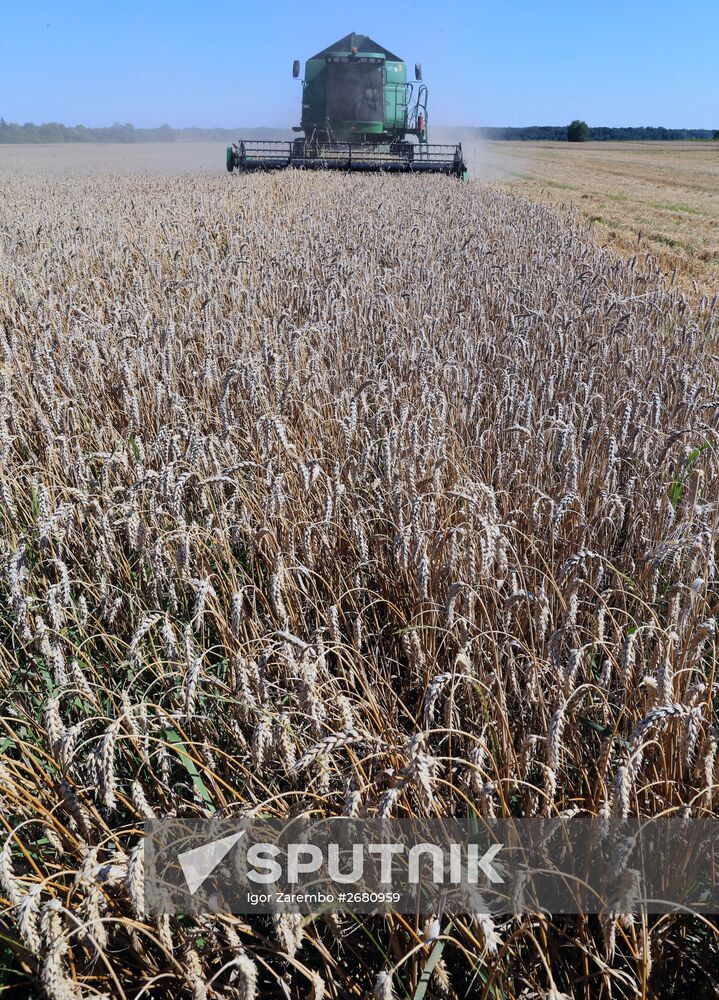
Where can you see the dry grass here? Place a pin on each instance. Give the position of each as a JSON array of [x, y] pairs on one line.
[[288, 457], [648, 197]]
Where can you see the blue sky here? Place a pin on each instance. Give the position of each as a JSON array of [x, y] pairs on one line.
[[189, 62]]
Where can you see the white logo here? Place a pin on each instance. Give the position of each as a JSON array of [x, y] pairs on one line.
[[199, 863]]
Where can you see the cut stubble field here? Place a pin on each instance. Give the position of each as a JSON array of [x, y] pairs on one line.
[[341, 496], [641, 197]]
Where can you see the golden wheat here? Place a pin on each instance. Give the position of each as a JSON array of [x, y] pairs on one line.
[[327, 494]]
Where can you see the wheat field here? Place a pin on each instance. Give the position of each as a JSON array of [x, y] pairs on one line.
[[339, 495]]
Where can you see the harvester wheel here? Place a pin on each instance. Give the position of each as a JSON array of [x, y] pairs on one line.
[[230, 160]]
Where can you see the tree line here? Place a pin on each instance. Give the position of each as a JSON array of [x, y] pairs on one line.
[[599, 133], [11, 132]]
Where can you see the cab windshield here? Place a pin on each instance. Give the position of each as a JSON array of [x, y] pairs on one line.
[[355, 92]]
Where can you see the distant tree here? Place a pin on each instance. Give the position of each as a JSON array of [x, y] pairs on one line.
[[577, 131], [716, 134]]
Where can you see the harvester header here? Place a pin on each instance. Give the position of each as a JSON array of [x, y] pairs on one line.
[[359, 112]]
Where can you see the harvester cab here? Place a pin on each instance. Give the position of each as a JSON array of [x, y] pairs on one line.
[[360, 113]]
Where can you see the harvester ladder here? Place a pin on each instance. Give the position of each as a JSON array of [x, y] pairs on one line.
[[419, 106]]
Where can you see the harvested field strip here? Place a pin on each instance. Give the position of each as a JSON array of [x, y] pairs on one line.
[[658, 198]]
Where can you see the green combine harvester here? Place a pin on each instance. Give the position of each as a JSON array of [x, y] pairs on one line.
[[359, 112]]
